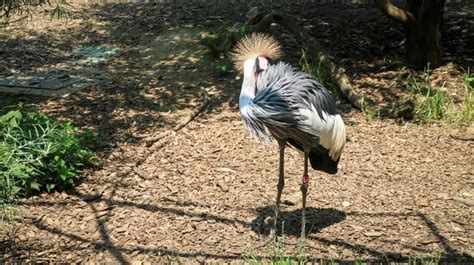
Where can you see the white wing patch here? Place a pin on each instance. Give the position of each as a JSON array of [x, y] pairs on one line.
[[331, 130]]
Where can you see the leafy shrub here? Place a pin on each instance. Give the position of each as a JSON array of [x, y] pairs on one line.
[[38, 153], [8, 7]]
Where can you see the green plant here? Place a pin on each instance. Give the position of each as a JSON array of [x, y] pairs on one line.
[[430, 104], [319, 72], [223, 37], [166, 106], [464, 114], [223, 69], [368, 113], [9, 7], [38, 153], [469, 81], [434, 104], [276, 255], [433, 259]]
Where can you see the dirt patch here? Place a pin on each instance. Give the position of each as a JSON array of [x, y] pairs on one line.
[[403, 190]]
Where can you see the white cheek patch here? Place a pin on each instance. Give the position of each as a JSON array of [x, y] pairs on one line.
[[263, 63]]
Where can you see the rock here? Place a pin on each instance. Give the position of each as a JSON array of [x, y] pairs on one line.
[[225, 169], [346, 253], [429, 240], [221, 184], [468, 202], [453, 227], [121, 229], [423, 203], [373, 234], [357, 228], [292, 199], [189, 228], [346, 204]]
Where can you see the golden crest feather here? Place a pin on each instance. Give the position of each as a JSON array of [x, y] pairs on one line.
[[257, 44]]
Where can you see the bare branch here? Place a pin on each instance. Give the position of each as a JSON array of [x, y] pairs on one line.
[[398, 14]]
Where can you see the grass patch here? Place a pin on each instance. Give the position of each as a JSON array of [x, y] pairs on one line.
[[434, 104], [368, 113], [320, 73], [278, 258], [464, 113], [276, 255], [39, 154]]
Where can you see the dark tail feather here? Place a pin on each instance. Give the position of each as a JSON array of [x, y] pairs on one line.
[[320, 160]]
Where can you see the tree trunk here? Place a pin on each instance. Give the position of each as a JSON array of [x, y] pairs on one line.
[[423, 35], [422, 22]]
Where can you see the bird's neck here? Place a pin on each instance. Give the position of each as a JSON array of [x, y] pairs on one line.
[[247, 93]]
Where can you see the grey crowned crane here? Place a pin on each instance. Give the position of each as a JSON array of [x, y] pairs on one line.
[[288, 104]]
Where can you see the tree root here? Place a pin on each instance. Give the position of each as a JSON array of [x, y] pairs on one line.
[[260, 22]]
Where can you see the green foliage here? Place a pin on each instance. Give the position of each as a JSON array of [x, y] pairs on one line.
[[434, 104], [220, 41], [166, 106], [223, 69], [430, 104], [369, 114], [465, 113], [276, 256], [469, 81], [320, 73], [9, 7], [38, 154]]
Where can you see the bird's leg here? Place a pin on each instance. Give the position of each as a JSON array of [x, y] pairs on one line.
[[304, 191], [281, 184]]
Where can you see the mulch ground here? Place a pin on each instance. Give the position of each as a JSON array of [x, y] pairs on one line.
[[403, 191]]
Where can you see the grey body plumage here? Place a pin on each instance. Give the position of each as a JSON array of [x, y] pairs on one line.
[[281, 92]]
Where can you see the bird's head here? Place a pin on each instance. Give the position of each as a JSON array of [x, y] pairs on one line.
[[253, 53], [254, 66]]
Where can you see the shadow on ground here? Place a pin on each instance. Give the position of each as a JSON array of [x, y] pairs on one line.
[[318, 219], [147, 88], [289, 222]]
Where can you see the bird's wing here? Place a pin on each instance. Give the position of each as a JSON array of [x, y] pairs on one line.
[[330, 128], [321, 114], [300, 105]]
